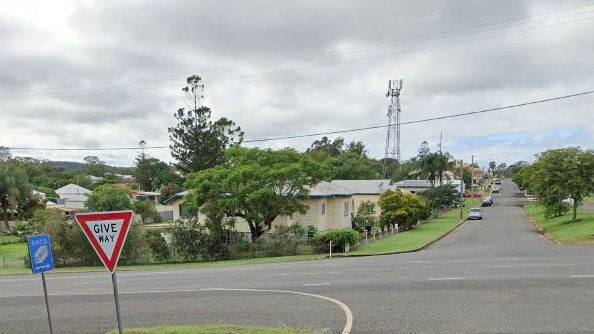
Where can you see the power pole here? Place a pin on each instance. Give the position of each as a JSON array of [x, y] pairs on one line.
[[461, 187], [393, 133], [472, 178]]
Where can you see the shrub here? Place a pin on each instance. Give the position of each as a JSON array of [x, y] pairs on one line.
[[339, 238], [158, 246], [298, 230]]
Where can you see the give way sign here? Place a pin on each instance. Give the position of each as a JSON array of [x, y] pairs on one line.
[[106, 232]]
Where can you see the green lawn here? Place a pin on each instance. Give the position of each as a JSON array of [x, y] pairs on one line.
[[11, 258], [413, 239], [213, 330], [561, 229], [9, 239]]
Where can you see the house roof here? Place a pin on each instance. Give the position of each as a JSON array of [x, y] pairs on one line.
[[327, 189], [146, 193], [176, 197], [322, 189], [72, 189], [366, 187], [413, 184], [420, 185]]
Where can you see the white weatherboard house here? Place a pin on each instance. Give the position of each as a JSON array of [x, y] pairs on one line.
[[330, 208], [73, 196], [366, 191]]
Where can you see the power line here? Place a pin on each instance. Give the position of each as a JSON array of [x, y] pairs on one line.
[[360, 53], [329, 132]]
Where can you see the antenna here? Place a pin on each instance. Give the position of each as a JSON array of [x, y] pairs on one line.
[[393, 133]]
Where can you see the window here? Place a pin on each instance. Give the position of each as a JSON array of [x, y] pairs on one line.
[[323, 209], [346, 209]]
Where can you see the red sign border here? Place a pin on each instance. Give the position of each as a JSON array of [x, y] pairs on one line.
[[84, 218]]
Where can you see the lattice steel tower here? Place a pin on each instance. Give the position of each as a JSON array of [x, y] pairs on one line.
[[393, 135]]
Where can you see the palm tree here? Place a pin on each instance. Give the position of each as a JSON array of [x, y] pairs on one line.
[[429, 165], [444, 162]]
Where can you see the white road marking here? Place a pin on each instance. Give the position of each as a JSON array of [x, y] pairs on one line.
[[582, 276], [315, 284], [298, 274], [447, 279], [346, 330], [532, 265], [349, 315]]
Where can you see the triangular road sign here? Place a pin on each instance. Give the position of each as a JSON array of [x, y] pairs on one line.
[[106, 232]]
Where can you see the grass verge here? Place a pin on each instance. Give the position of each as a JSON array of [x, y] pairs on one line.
[[11, 258], [412, 240], [561, 229], [213, 330]]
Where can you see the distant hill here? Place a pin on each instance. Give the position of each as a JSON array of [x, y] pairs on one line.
[[72, 166], [67, 165]]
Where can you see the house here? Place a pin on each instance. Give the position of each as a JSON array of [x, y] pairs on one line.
[[177, 205], [145, 196], [415, 186], [73, 196], [329, 208], [366, 191]]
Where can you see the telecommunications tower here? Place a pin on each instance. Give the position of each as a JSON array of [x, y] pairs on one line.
[[392, 152]]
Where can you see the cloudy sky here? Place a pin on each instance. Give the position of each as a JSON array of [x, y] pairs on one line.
[[94, 77]]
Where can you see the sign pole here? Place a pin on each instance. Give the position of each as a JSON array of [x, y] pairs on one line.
[[49, 317], [107, 231], [42, 260], [117, 302]]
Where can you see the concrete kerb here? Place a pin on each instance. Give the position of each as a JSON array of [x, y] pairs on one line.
[[429, 243], [537, 229]]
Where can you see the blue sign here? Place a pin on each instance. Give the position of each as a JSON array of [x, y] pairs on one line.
[[40, 252]]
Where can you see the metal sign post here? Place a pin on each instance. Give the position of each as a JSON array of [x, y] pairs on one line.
[[40, 253], [107, 232]]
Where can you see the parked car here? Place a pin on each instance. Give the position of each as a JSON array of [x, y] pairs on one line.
[[488, 201], [475, 213]]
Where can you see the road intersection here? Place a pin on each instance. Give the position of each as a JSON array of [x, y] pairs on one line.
[[495, 275]]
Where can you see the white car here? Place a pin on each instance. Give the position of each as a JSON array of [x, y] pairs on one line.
[[475, 213]]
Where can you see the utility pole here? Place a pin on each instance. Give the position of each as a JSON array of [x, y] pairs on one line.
[[461, 189], [393, 133], [472, 178]]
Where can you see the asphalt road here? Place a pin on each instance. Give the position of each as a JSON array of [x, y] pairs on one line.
[[495, 275]]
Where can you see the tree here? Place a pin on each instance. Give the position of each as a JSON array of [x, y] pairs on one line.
[[402, 209], [563, 173], [4, 154], [148, 172], [109, 197], [197, 143], [256, 185], [15, 192], [147, 211], [365, 217], [94, 166], [332, 148], [441, 197], [492, 166], [169, 190], [350, 166], [191, 240], [432, 166]]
